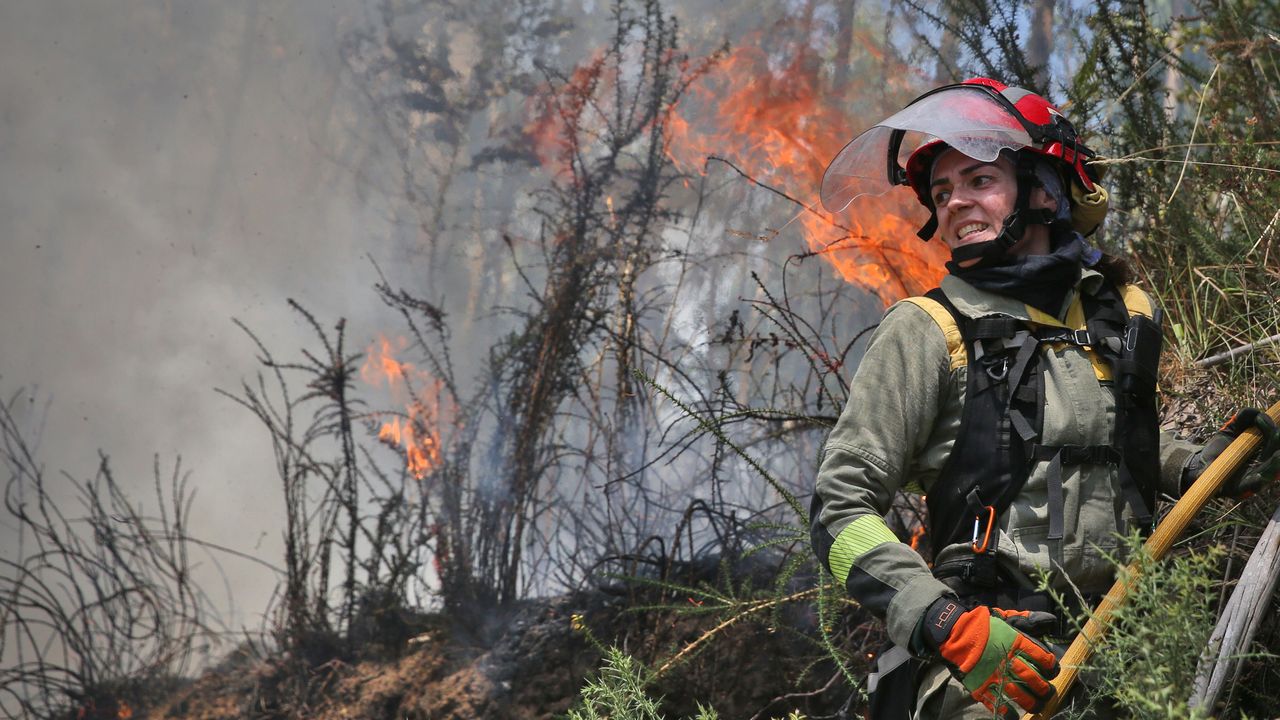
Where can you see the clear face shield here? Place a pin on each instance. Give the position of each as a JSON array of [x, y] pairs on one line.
[[966, 117]]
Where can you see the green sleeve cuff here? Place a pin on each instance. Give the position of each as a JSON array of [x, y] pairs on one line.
[[858, 537]]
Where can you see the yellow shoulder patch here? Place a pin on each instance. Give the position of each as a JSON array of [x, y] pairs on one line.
[[946, 323], [1040, 317], [1136, 300]]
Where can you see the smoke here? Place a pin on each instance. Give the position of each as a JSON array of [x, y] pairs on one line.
[[166, 167]]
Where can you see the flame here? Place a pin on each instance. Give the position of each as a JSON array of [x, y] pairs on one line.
[[417, 430], [380, 363], [124, 712], [780, 122], [916, 535], [554, 111], [782, 127], [421, 453]]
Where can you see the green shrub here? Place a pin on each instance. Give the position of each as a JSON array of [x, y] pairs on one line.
[[618, 693], [1146, 663]]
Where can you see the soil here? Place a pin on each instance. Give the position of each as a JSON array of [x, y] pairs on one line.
[[529, 662], [523, 664]]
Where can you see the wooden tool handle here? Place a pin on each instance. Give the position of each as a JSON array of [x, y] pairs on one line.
[[1165, 534]]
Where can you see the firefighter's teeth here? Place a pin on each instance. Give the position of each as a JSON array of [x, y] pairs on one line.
[[972, 228]]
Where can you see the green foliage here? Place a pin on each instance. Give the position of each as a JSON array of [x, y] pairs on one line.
[[1146, 664], [989, 33], [1185, 111], [618, 693]]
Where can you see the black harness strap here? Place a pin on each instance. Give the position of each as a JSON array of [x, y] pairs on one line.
[[1069, 455], [1003, 416]]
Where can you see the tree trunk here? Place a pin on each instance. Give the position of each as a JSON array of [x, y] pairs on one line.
[[1040, 43], [844, 42], [1173, 78]]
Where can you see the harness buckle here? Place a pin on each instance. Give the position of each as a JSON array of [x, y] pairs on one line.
[[986, 536], [1082, 337]]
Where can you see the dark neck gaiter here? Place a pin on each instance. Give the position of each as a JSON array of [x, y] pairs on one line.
[[1041, 281]]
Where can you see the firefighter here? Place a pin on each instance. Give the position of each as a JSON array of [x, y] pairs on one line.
[[1019, 397]]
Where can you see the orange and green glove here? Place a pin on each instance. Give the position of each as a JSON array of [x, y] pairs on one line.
[[1249, 479], [988, 650]]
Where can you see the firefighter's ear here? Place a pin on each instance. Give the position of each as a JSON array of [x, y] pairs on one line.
[[1042, 199]]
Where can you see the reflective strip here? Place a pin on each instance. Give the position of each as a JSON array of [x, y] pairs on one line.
[[947, 324], [863, 534]]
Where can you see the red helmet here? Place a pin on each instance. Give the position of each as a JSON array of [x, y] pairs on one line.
[[1051, 134], [979, 117]]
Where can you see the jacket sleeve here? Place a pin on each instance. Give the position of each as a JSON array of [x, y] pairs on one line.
[[893, 403], [1174, 456]]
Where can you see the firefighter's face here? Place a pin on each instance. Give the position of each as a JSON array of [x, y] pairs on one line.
[[973, 198]]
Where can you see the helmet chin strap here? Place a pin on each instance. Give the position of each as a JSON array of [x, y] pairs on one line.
[[994, 250], [1014, 226]]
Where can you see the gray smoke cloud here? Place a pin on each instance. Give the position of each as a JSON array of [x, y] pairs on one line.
[[166, 167], [169, 166]]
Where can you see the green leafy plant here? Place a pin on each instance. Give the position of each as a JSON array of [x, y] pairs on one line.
[[618, 693], [1146, 664]]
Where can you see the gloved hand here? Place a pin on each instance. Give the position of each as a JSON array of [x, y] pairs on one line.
[[1249, 478], [988, 649]]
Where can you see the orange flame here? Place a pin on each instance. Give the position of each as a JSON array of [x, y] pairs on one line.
[[417, 431], [421, 453], [916, 535], [124, 712], [553, 112], [782, 127], [380, 363], [780, 123]]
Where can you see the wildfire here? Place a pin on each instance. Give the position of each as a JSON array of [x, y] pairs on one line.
[[417, 431], [552, 113], [781, 124], [782, 127], [916, 535], [421, 452]]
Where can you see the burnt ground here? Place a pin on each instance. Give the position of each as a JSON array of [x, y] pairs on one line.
[[529, 662], [526, 663]]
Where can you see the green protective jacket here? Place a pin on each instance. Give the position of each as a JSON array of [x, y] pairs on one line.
[[900, 425]]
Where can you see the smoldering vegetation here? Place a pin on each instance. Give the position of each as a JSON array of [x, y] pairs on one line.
[[506, 434], [617, 326]]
